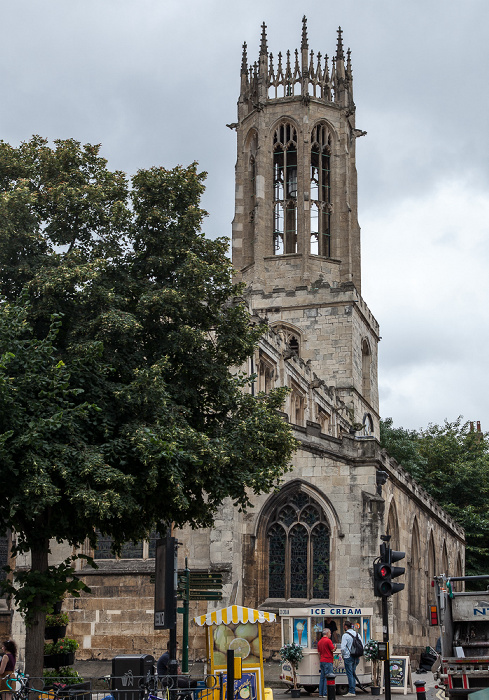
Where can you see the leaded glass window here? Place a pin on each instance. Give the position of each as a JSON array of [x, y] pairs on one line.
[[129, 550], [320, 559], [276, 558], [298, 549], [298, 561], [285, 189], [320, 191]]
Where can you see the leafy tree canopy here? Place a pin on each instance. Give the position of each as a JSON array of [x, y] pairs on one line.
[[119, 322], [452, 463]]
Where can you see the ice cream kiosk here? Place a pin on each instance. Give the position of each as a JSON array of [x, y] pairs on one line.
[[304, 626], [239, 629]]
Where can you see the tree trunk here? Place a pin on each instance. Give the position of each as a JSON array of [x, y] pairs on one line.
[[34, 639]]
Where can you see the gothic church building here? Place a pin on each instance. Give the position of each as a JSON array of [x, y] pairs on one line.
[[296, 245]]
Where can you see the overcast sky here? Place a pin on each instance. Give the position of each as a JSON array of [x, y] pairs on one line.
[[155, 81]]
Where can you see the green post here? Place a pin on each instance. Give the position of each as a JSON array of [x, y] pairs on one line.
[[186, 605]]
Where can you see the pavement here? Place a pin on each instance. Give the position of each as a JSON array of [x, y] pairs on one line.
[[96, 669], [432, 693]]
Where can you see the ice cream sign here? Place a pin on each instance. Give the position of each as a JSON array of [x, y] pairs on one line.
[[331, 612]]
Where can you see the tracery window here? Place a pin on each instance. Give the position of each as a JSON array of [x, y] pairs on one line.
[[285, 189], [321, 191], [297, 405], [298, 549], [290, 336], [266, 373], [324, 419]]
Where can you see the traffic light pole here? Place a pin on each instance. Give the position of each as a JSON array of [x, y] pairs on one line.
[[385, 630], [185, 621]]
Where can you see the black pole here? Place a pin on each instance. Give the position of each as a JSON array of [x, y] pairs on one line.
[[420, 690], [331, 686], [385, 630], [230, 675]]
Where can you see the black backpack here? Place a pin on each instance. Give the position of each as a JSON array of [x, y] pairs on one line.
[[356, 649]]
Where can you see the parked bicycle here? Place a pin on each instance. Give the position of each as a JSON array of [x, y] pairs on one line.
[[20, 686]]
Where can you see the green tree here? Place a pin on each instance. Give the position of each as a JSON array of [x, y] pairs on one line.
[[119, 325], [452, 463]]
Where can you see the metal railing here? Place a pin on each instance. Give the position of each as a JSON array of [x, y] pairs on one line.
[[125, 687]]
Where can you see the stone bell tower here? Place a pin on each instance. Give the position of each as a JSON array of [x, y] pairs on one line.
[[296, 238]]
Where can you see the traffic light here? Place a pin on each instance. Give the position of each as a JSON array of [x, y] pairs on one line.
[[382, 579], [396, 570], [384, 572]]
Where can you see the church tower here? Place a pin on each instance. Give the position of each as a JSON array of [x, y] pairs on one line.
[[296, 237]]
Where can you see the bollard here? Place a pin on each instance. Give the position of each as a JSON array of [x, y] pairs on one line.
[[331, 686], [420, 690]]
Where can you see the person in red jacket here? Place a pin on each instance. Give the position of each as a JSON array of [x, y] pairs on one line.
[[325, 651]]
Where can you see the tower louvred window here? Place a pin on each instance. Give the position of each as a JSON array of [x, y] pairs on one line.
[[321, 191], [285, 189]]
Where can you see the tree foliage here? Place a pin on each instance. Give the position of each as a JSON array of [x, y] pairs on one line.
[[119, 323], [452, 463]]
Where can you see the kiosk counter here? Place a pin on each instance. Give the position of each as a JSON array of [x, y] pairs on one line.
[[304, 626]]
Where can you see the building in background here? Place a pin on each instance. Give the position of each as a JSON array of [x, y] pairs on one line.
[[296, 246]]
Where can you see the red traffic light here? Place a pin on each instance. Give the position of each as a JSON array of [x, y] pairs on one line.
[[384, 571]]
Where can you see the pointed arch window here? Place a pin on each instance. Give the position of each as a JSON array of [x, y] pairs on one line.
[[430, 597], [285, 189], [415, 581], [321, 191], [366, 370], [298, 549]]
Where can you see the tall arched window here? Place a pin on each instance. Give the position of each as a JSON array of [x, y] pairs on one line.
[[458, 585], [431, 573], [366, 365], [444, 560], [298, 549], [285, 189], [414, 592], [320, 191], [393, 526]]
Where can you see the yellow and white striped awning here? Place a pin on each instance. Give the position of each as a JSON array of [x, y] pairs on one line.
[[235, 613]]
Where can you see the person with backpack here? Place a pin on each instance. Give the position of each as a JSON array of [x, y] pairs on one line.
[[351, 650]]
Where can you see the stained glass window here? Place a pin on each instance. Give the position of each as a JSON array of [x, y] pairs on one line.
[[288, 515], [298, 561], [310, 515], [300, 499], [320, 562], [298, 548], [276, 561]]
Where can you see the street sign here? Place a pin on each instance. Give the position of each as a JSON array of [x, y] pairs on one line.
[[200, 585], [206, 595], [208, 580]]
